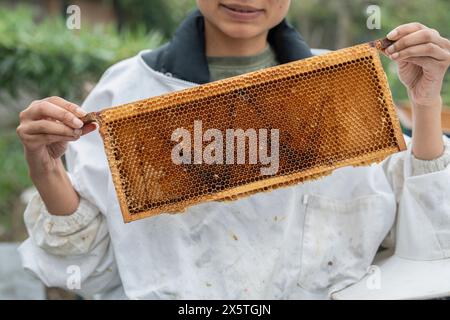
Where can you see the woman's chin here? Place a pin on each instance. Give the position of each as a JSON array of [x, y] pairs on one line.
[[242, 32]]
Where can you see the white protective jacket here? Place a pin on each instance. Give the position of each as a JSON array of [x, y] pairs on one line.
[[303, 241]]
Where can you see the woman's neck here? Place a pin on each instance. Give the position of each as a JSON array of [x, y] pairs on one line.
[[218, 44]]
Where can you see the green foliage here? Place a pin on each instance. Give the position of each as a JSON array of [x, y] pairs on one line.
[[49, 59], [161, 15], [153, 14], [13, 172]]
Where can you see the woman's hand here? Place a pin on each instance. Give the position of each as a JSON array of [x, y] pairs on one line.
[[423, 57], [45, 128]]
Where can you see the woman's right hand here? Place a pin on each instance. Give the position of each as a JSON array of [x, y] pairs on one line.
[[45, 129]]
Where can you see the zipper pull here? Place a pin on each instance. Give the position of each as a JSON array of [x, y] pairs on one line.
[[305, 199]]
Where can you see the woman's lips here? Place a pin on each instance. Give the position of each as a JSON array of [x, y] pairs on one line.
[[241, 13]]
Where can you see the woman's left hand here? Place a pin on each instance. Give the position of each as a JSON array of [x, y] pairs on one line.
[[423, 57]]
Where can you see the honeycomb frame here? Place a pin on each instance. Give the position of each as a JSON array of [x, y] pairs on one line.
[[332, 110]]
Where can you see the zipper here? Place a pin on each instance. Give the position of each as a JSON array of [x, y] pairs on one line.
[[305, 199]]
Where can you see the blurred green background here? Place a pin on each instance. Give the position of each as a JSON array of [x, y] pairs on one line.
[[40, 56]]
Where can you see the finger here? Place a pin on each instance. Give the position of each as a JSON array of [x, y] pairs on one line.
[[423, 62], [37, 141], [447, 44], [416, 38], [69, 106], [88, 128], [50, 127], [44, 139], [44, 110], [404, 30], [423, 50]]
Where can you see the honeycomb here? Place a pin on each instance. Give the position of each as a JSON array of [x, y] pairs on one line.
[[331, 111]]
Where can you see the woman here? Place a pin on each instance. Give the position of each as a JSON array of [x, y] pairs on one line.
[[304, 241]]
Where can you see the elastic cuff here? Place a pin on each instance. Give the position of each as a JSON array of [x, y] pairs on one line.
[[420, 167], [65, 225]]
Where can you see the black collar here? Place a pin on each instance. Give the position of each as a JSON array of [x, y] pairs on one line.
[[184, 56]]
